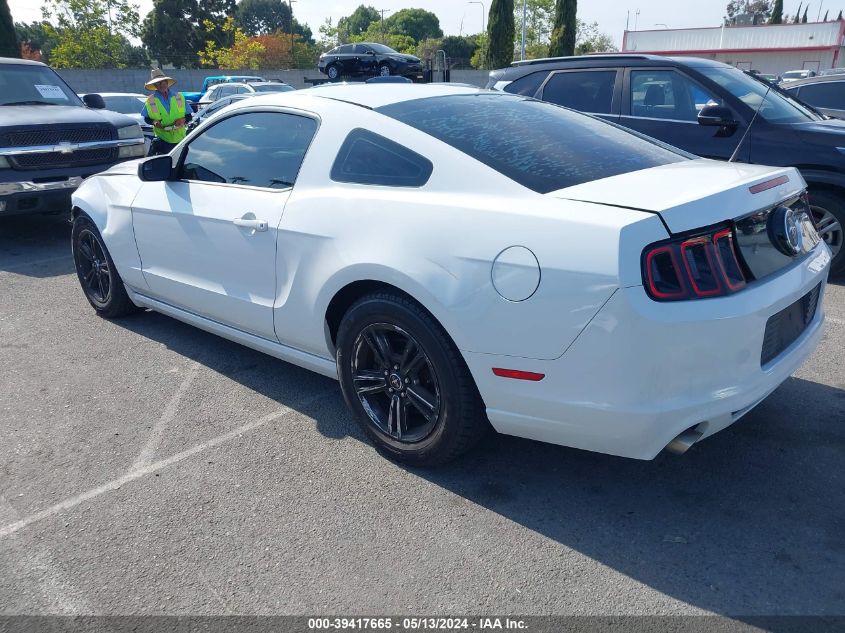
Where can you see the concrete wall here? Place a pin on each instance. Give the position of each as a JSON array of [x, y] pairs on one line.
[[191, 80]]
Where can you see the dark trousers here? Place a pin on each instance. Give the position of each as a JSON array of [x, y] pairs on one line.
[[157, 147]]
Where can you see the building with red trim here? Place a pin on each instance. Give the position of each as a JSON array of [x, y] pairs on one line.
[[771, 48]]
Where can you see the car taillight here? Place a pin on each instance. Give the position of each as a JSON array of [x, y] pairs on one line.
[[696, 267]]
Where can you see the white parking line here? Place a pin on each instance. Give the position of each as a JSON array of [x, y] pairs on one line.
[[145, 458], [72, 502]]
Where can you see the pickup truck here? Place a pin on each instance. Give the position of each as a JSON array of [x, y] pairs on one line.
[[50, 139], [194, 97]]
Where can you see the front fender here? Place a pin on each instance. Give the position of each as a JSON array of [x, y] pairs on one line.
[[107, 200]]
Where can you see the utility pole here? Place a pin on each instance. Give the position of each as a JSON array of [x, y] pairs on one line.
[[524, 14], [382, 22], [483, 30], [292, 60]]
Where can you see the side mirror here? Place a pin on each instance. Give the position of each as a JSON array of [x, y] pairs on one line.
[[94, 101], [156, 169], [717, 116]]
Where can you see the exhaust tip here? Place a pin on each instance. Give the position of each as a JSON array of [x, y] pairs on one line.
[[683, 441]]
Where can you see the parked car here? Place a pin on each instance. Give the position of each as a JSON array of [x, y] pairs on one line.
[[795, 75], [389, 236], [208, 82], [224, 90], [216, 106], [130, 104], [666, 98], [368, 58], [826, 94], [50, 140]]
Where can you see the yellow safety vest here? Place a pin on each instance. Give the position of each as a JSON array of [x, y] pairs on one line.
[[156, 112]]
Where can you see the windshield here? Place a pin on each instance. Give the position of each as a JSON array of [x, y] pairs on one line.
[[125, 104], [272, 88], [381, 48], [539, 145], [25, 84], [778, 108]]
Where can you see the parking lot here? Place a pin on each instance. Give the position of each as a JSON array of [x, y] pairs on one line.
[[149, 467]]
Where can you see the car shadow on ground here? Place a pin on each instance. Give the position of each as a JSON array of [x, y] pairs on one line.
[[749, 521], [36, 245]]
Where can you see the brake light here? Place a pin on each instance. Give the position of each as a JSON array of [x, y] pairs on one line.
[[697, 267]]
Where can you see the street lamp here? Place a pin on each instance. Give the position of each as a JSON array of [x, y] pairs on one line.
[[382, 22], [483, 30]]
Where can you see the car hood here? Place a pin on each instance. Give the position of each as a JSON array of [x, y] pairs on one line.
[[29, 115], [692, 194]]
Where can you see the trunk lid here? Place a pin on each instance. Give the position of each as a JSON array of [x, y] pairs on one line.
[[693, 194]]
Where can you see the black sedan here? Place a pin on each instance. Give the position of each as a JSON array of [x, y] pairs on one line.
[[368, 59]]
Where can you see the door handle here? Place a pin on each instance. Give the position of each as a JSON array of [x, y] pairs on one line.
[[255, 225]]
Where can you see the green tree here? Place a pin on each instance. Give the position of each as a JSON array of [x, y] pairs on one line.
[[36, 36], [174, 30], [565, 29], [826, 13], [357, 23], [590, 40], [418, 24], [538, 26], [760, 9], [9, 45], [839, 17], [500, 33], [777, 13], [260, 17], [459, 49], [90, 33], [797, 17], [804, 17]]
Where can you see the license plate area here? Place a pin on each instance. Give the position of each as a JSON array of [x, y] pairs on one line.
[[784, 328]]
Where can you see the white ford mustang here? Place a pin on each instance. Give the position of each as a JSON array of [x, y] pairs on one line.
[[455, 256]]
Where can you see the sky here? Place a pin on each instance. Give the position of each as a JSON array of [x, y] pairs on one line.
[[460, 17]]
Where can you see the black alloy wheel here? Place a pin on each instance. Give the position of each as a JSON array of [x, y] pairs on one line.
[[406, 381], [332, 72], [395, 382], [829, 215], [97, 273], [384, 70]]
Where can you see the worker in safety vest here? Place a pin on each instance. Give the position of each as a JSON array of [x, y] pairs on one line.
[[165, 110]]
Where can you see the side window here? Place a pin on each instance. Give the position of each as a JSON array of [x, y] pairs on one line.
[[586, 91], [346, 49], [369, 159], [225, 91], [830, 94], [528, 85], [666, 94], [259, 149], [360, 49]]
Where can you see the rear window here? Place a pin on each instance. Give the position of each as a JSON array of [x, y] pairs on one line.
[[367, 158], [539, 145]]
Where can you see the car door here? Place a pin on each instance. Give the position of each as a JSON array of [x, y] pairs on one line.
[[365, 60], [207, 237], [664, 103], [592, 90], [346, 60]]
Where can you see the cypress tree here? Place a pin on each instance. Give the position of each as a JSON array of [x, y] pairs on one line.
[[564, 28], [9, 45], [839, 17], [804, 19], [777, 13], [500, 34], [825, 15], [797, 18]]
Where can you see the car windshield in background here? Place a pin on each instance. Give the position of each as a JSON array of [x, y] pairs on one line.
[[778, 108], [125, 104], [271, 87], [539, 145], [25, 84]]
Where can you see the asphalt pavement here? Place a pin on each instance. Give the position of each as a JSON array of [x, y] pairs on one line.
[[147, 467]]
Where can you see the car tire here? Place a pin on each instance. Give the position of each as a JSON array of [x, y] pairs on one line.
[[406, 381], [332, 72], [97, 273], [384, 70], [828, 209]]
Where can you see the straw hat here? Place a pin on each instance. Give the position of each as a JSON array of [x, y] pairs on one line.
[[155, 76]]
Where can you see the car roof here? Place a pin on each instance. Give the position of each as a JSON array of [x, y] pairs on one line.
[[23, 62], [121, 94], [380, 94], [525, 67], [818, 79]]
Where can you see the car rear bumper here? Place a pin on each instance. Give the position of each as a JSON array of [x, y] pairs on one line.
[[643, 372]]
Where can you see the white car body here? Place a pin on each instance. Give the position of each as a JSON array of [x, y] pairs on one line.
[[547, 283]]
